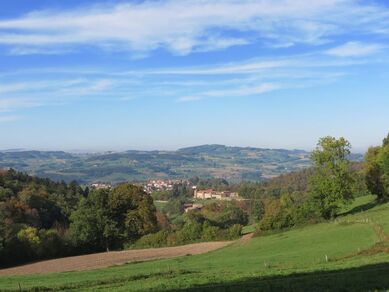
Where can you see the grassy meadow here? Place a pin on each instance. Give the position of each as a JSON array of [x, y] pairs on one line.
[[349, 253]]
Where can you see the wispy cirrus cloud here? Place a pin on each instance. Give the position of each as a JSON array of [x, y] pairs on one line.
[[6, 119], [15, 96], [237, 92], [355, 49], [12, 104], [246, 78], [25, 50], [186, 26]]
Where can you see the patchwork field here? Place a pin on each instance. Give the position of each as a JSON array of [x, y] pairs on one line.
[[350, 253], [232, 163]]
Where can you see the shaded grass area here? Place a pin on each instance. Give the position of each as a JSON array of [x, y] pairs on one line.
[[348, 252], [360, 204], [366, 278]]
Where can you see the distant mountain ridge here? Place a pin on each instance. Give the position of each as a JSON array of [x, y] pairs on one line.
[[232, 163], [219, 147]]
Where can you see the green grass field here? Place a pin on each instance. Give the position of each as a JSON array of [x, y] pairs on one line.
[[349, 253], [248, 229]]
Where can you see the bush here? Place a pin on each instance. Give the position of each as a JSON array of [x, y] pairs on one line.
[[235, 231], [158, 239], [210, 232], [29, 239], [276, 216], [52, 245], [172, 239], [191, 232], [224, 214]]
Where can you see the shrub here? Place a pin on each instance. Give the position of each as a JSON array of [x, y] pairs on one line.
[[52, 245], [190, 232], [224, 214], [157, 239], [235, 231], [210, 232]]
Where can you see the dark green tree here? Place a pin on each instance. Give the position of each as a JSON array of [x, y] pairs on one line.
[[332, 181], [377, 170], [91, 225], [133, 210]]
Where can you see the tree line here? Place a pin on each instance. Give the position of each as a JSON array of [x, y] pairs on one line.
[[42, 219]]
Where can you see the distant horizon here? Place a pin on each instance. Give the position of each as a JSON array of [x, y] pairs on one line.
[[91, 151]]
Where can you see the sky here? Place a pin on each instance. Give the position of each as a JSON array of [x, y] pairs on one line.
[[81, 75]]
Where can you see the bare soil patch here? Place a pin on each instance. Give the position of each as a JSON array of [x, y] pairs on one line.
[[107, 259]]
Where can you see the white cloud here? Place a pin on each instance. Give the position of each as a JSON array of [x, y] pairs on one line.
[[354, 49], [238, 92], [58, 86], [185, 26], [15, 96], [251, 66], [4, 119], [11, 104], [21, 51]]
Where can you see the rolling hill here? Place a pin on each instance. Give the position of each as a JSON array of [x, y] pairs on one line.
[[232, 163]]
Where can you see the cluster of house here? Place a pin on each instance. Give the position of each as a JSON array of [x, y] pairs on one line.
[[161, 185], [211, 194], [100, 186]]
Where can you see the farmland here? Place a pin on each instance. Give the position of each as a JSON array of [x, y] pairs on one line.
[[350, 252], [232, 163]]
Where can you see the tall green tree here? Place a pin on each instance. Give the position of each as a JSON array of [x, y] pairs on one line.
[[377, 170], [134, 211], [332, 181], [92, 227]]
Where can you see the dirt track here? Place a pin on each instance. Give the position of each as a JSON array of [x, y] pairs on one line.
[[107, 259]]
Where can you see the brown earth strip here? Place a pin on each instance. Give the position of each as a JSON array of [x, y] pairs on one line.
[[107, 259]]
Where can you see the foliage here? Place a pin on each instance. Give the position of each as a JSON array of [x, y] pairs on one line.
[[377, 170], [331, 185], [224, 214], [157, 239], [217, 221], [91, 226], [190, 232], [40, 218], [34, 212], [174, 207], [108, 219]]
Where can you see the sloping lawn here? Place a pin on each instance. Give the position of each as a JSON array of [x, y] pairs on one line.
[[340, 244]]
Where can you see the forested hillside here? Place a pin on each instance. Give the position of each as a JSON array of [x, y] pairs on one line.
[[40, 218]]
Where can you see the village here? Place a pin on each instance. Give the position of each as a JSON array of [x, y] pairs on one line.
[[152, 186]]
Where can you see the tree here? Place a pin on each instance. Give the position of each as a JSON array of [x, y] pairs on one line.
[[224, 214], [385, 141], [332, 181], [133, 210], [91, 225], [377, 170], [2, 233]]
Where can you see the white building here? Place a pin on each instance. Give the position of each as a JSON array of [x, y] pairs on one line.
[[211, 194]]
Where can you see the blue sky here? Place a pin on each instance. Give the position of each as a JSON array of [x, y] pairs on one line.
[[118, 75]]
